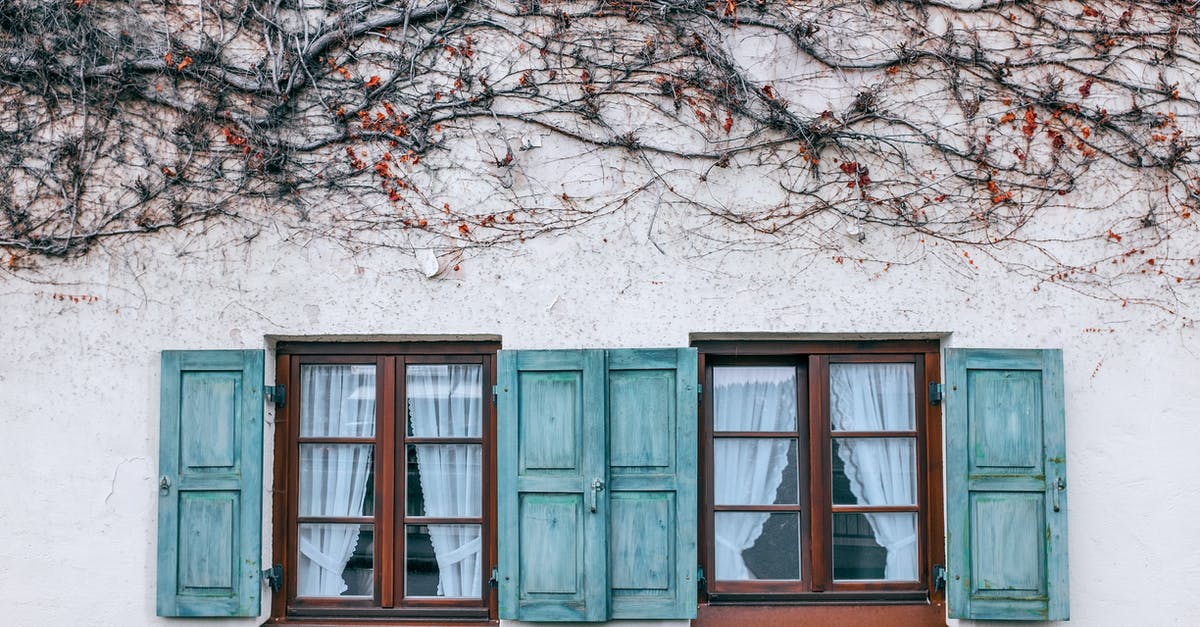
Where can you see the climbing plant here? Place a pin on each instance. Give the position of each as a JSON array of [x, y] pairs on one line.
[[1058, 139]]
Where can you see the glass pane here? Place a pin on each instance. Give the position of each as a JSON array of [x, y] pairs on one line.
[[337, 480], [336, 560], [757, 545], [444, 480], [872, 397], [874, 471], [755, 471], [337, 401], [443, 561], [445, 400], [875, 546], [754, 398]]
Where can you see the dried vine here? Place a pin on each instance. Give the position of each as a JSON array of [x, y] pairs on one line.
[[1060, 138]]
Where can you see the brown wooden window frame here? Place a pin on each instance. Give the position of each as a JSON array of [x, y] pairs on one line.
[[817, 596], [390, 516]]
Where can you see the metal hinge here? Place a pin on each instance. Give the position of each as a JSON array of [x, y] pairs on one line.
[[935, 393], [701, 582], [939, 577], [495, 393], [276, 394], [274, 577], [494, 582], [699, 390]]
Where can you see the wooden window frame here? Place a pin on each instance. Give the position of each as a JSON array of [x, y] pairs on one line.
[[816, 596], [390, 518]]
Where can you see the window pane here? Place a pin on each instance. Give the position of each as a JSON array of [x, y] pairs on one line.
[[756, 545], [337, 480], [336, 560], [337, 401], [445, 400], [872, 397], [755, 471], [875, 546], [445, 480], [754, 398], [443, 561], [874, 471]]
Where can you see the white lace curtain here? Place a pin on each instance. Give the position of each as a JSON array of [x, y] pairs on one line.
[[748, 471], [879, 397], [339, 401], [445, 401]]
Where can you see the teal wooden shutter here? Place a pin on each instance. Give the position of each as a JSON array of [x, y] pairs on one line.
[[551, 448], [1006, 485], [652, 482], [597, 484], [210, 483]]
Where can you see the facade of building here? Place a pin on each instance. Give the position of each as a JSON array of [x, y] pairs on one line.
[[629, 313], [780, 436]]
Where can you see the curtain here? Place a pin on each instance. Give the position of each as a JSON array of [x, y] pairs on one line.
[[445, 401], [338, 401], [879, 397], [748, 471]]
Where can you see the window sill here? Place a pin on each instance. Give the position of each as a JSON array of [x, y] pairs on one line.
[[391, 621], [850, 614], [845, 597]]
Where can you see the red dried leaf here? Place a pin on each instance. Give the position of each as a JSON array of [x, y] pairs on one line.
[[1085, 89]]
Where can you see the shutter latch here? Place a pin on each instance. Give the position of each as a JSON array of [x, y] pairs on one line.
[[935, 393], [494, 582], [939, 577], [274, 577], [275, 394]]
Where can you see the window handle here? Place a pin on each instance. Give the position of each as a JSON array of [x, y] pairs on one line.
[[597, 488], [1055, 489]]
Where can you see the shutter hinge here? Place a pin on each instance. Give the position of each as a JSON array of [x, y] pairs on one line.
[[274, 577], [275, 394], [939, 577], [701, 582], [494, 582], [495, 393], [699, 390], [935, 393]]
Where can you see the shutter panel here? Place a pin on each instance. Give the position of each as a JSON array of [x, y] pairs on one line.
[[551, 447], [210, 496], [1006, 478], [652, 482]]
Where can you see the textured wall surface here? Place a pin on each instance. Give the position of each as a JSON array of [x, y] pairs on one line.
[[79, 355]]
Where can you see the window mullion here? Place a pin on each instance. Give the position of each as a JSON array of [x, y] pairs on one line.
[[386, 488], [804, 399], [818, 430], [400, 477]]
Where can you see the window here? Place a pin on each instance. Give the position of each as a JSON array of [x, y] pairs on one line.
[[821, 467], [382, 454], [816, 498]]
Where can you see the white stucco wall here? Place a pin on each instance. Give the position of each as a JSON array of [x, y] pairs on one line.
[[79, 382]]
